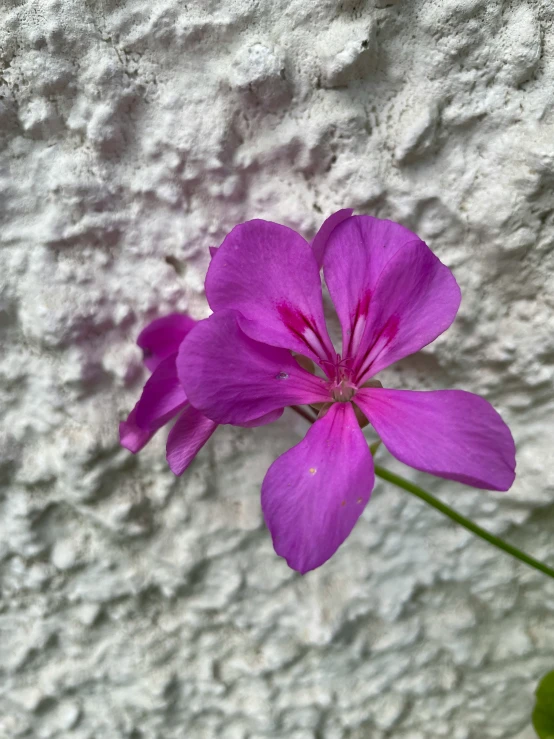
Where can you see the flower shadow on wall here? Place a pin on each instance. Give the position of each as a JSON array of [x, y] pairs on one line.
[[266, 347]]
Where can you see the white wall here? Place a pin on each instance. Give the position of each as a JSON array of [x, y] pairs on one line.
[[134, 135]]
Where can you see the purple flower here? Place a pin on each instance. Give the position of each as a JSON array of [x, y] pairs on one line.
[[392, 297], [163, 398]]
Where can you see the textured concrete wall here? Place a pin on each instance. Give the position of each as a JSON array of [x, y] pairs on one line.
[[133, 135]]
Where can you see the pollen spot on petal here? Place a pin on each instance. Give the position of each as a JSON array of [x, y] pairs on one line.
[[359, 500], [343, 502], [281, 376], [313, 470]]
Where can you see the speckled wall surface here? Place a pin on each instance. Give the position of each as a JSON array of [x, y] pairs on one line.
[[135, 134]]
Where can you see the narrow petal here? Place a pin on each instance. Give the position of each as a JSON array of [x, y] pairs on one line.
[[162, 396], [162, 337], [313, 494], [448, 433], [233, 379], [355, 254], [415, 300], [269, 274], [131, 436], [192, 430], [319, 242], [189, 434]]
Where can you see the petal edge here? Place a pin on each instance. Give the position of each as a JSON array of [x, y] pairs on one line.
[[233, 379]]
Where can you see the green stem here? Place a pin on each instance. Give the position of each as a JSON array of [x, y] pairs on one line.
[[462, 520]]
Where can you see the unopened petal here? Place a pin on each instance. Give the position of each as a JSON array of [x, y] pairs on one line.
[[162, 397], [162, 337], [189, 434], [131, 436], [313, 494]]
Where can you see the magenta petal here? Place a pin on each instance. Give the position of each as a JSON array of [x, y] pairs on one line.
[[162, 396], [189, 434], [415, 300], [355, 255], [263, 420], [269, 274], [131, 436], [233, 379], [213, 250], [162, 337], [448, 433], [313, 494], [319, 242]]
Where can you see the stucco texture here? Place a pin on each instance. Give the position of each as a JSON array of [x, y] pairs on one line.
[[133, 136]]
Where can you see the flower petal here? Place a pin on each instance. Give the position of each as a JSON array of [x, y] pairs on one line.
[[233, 379], [131, 436], [263, 420], [313, 494], [162, 337], [321, 238], [355, 255], [268, 272], [415, 300], [162, 396], [189, 434], [448, 433]]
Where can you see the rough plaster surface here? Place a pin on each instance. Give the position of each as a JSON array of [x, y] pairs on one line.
[[133, 135]]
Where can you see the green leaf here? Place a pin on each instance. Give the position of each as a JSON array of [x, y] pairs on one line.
[[543, 715]]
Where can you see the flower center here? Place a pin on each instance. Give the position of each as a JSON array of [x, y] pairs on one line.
[[343, 391], [341, 387]]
